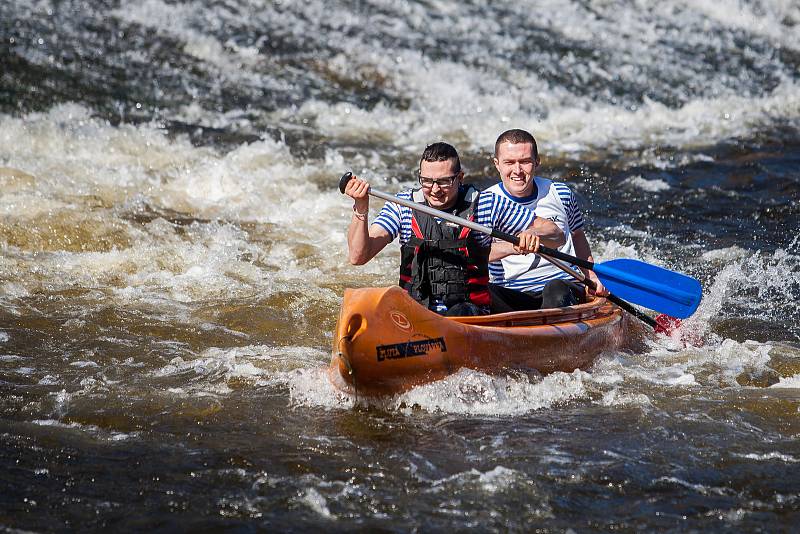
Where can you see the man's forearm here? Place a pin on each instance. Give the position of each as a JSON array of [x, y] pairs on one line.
[[500, 250], [363, 242], [358, 242], [582, 248], [549, 233]]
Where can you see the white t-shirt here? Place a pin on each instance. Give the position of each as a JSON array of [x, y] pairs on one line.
[[553, 201]]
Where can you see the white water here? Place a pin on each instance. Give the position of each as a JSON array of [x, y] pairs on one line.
[[452, 100], [73, 184], [80, 172]]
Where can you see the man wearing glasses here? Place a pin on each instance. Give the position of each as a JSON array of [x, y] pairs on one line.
[[443, 266]]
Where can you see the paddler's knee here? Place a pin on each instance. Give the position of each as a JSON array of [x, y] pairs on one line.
[[560, 293], [464, 309]]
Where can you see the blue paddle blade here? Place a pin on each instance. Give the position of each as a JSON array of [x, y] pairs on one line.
[[651, 286]]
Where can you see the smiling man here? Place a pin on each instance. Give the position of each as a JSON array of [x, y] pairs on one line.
[[443, 266], [516, 158]]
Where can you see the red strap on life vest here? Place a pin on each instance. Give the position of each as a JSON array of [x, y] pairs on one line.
[[480, 298], [415, 228]]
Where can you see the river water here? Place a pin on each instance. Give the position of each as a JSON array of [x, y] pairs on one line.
[[173, 260]]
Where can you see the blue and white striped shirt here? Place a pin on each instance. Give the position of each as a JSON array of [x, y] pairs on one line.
[[493, 211], [553, 201]]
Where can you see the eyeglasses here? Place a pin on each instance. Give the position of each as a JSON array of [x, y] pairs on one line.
[[444, 182]]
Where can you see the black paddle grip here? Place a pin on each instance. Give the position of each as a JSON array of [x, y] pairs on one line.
[[630, 309], [514, 240], [344, 180], [565, 257]]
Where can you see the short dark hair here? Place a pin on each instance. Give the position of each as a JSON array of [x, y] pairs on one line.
[[516, 136], [441, 152]]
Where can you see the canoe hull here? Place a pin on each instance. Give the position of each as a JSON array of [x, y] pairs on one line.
[[385, 343]]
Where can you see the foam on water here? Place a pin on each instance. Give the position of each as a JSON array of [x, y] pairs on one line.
[[214, 369], [767, 285], [465, 392], [495, 480], [484, 78], [721, 256], [311, 387], [577, 125], [791, 382], [95, 432], [452, 100], [771, 456], [472, 392], [78, 158], [699, 488], [615, 397], [651, 186], [314, 500], [766, 18], [698, 123], [138, 170]]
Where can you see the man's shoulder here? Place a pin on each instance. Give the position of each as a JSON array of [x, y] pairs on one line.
[[553, 185], [471, 192], [495, 189], [553, 188], [544, 184], [561, 187], [494, 194], [406, 194]]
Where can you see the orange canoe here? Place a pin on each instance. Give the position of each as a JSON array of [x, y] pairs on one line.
[[385, 343]]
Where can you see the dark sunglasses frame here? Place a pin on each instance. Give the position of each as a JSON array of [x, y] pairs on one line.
[[444, 182]]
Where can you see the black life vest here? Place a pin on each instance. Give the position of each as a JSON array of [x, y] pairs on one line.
[[443, 261]]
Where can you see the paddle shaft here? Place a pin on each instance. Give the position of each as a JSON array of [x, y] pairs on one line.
[[550, 254], [591, 285]]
